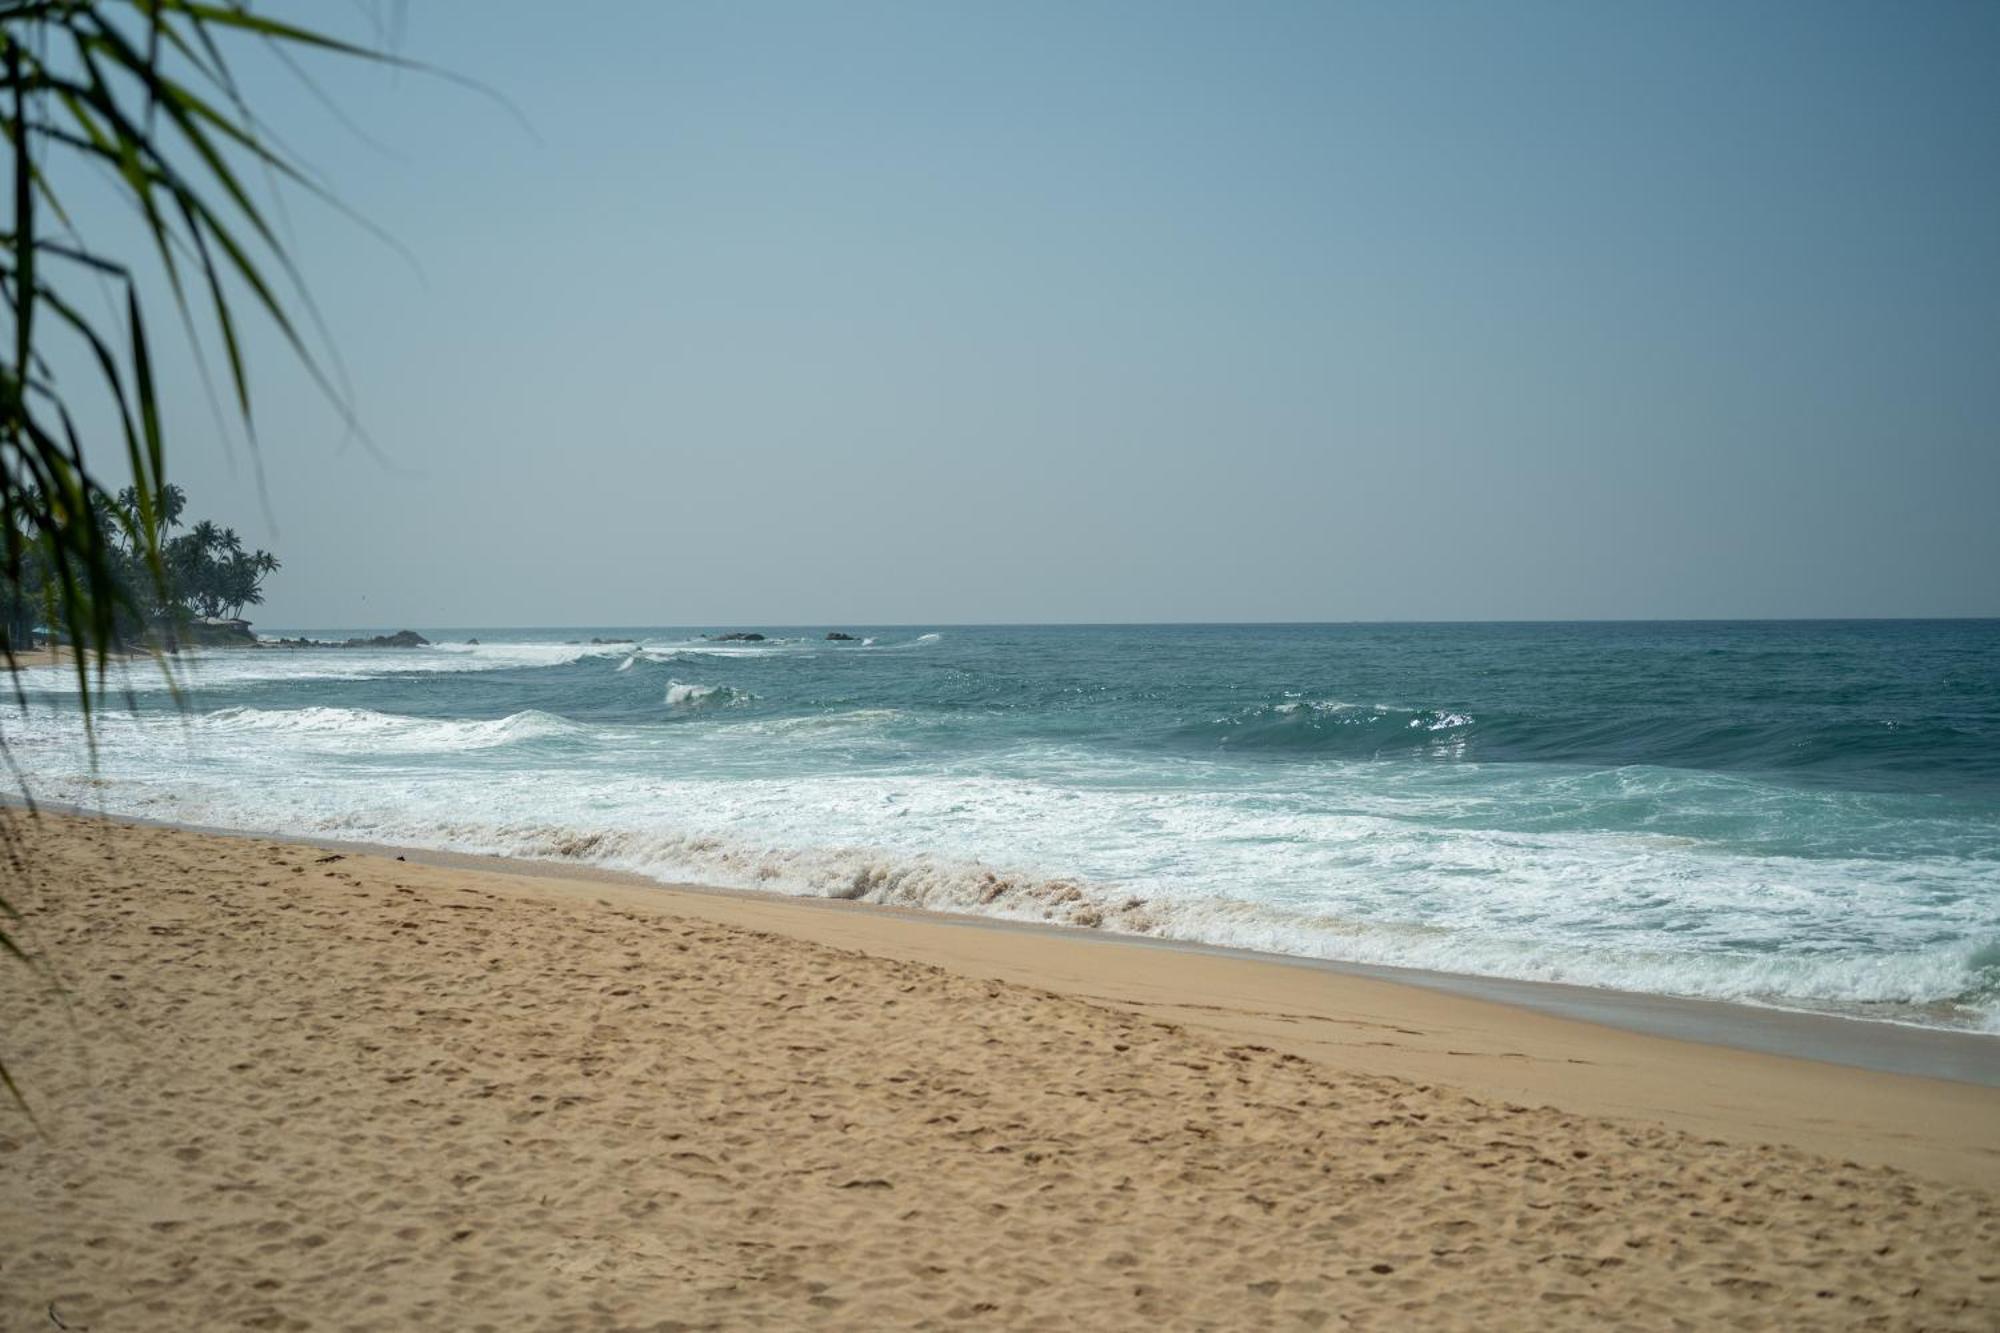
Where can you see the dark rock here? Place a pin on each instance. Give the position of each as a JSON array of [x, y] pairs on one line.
[[614, 640], [739, 638], [835, 636], [402, 638], [473, 642]]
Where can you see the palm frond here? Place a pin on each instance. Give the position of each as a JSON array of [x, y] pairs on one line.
[[138, 93]]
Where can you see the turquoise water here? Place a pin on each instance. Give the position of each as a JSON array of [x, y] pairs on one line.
[[1805, 814]]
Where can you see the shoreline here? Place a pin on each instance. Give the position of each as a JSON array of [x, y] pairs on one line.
[[1881, 1045], [63, 655], [1469, 1033], [289, 1087], [1644, 896]]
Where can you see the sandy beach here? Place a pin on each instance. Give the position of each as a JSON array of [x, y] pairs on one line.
[[884, 666], [293, 1088], [52, 656], [61, 655]]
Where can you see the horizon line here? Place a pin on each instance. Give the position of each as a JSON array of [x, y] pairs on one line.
[[737, 626]]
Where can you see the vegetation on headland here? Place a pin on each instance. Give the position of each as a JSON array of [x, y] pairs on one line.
[[206, 574]]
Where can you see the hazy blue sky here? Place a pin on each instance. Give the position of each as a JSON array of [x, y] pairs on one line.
[[833, 313]]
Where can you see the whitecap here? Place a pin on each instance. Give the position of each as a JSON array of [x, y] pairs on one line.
[[682, 694], [365, 730]]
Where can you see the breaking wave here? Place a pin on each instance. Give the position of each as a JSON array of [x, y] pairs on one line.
[[1335, 727], [687, 695], [1794, 814], [1955, 984], [364, 729]]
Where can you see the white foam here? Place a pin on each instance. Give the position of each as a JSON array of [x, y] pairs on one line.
[[687, 695], [939, 882], [362, 729], [1415, 865], [224, 667], [1441, 721], [700, 649]]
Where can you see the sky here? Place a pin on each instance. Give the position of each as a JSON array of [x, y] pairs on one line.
[[747, 314]]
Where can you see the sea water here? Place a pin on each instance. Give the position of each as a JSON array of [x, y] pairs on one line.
[[1791, 813]]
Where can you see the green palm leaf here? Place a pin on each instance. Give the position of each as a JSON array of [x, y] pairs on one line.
[[140, 90]]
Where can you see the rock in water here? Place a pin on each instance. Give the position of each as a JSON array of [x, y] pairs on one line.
[[402, 638]]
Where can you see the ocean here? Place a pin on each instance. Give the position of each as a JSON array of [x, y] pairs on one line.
[[1800, 814]]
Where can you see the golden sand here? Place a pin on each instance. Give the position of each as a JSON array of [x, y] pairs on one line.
[[291, 1089]]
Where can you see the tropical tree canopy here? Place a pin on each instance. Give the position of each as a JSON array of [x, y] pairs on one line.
[[206, 573]]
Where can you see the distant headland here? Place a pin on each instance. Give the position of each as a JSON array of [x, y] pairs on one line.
[[171, 589], [402, 638]]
